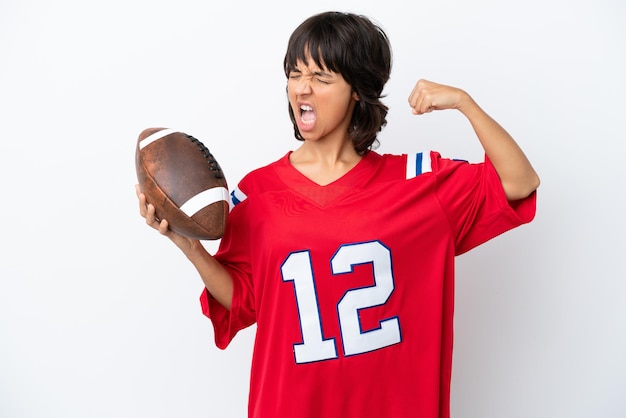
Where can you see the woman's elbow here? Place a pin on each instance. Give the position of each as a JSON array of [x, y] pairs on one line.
[[522, 189]]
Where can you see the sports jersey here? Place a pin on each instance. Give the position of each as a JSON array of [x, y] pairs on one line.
[[351, 285]]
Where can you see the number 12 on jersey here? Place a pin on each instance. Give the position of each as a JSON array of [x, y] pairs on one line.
[[298, 269]]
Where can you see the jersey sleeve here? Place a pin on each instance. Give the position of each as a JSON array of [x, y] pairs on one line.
[[474, 201], [233, 254]]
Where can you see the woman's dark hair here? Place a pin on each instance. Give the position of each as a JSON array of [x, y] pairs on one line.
[[359, 50]]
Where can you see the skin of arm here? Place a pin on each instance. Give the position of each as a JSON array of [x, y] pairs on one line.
[[215, 277], [517, 175]]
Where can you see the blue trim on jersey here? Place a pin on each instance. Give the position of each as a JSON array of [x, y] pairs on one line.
[[237, 196], [418, 163], [234, 199]]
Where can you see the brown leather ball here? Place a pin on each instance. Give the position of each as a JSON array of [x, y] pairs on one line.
[[183, 180]]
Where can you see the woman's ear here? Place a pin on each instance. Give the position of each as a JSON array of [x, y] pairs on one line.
[[355, 96]]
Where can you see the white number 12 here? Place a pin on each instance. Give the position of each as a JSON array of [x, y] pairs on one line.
[[297, 269]]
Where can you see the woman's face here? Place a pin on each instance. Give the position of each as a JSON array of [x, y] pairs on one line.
[[321, 100]]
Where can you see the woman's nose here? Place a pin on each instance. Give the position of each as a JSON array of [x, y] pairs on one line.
[[303, 86]]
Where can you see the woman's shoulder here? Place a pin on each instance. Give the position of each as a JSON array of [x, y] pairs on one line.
[[261, 178]]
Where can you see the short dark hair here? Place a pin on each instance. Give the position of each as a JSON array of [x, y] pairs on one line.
[[358, 49]]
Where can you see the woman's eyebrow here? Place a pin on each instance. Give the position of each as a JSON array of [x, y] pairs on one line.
[[322, 73], [317, 73]]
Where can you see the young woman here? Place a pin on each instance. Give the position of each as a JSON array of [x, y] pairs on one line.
[[344, 258]]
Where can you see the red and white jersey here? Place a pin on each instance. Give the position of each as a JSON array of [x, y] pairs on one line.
[[351, 284]]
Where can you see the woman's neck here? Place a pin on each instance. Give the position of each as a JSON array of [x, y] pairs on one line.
[[324, 163]]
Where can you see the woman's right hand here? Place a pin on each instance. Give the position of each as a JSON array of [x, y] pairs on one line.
[[148, 212]]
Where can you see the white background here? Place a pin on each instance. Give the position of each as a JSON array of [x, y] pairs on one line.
[[99, 315]]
